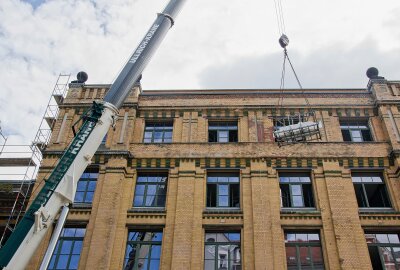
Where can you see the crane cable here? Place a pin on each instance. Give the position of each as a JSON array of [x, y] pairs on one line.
[[279, 17], [284, 42]]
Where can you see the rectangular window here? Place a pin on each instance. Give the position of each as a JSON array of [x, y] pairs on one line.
[[86, 186], [284, 121], [384, 250], [143, 250], [222, 132], [158, 132], [104, 140], [296, 190], [222, 251], [151, 190], [303, 251], [370, 190], [355, 130], [223, 190], [68, 249]]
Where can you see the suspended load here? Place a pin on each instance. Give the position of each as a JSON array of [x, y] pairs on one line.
[[297, 128], [301, 127]]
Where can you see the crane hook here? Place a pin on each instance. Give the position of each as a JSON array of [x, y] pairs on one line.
[[284, 41]]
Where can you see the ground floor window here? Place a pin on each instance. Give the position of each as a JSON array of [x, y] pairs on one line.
[[384, 250], [143, 250], [222, 251], [303, 250]]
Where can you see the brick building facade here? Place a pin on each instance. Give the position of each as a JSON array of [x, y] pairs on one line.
[[193, 179]]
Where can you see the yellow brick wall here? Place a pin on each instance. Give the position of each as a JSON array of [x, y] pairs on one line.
[[260, 219]]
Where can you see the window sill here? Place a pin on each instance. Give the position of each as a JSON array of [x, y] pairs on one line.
[[305, 210], [147, 210], [228, 210], [376, 210], [81, 206], [222, 142], [157, 142]]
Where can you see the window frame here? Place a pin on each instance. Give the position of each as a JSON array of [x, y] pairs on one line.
[[161, 174], [158, 126], [289, 183], [104, 140], [355, 124], [228, 184], [142, 242], [222, 125], [308, 244], [364, 192], [216, 244], [384, 245], [87, 181], [55, 257], [287, 120]]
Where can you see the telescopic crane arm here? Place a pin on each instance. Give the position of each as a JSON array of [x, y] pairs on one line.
[[59, 189]]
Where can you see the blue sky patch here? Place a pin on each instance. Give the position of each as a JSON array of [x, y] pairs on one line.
[[34, 3]]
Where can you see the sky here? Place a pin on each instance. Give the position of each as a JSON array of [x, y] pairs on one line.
[[219, 44]]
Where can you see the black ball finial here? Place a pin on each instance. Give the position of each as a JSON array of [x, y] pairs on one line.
[[372, 72], [82, 77]]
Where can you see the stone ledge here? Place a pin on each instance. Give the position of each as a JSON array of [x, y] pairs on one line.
[[260, 150], [159, 210], [222, 211], [301, 214]]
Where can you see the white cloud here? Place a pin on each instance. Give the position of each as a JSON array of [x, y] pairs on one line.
[[211, 42], [334, 66]]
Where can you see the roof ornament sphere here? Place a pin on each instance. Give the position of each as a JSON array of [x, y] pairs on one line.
[[372, 73], [82, 77]]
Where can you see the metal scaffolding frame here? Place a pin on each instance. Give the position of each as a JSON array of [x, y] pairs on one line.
[[29, 157], [293, 129]]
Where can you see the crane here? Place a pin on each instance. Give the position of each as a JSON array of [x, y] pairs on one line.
[[59, 189]]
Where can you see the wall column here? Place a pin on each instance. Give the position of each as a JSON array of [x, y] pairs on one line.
[[352, 248]]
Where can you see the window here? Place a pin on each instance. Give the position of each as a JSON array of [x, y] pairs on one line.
[[355, 130], [86, 186], [143, 251], [68, 249], [104, 140], [296, 190], [151, 190], [158, 132], [223, 190], [222, 132], [222, 251], [370, 190], [303, 251], [384, 250], [284, 121]]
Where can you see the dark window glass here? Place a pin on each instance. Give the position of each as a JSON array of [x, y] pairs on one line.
[[143, 250], [158, 132], [68, 249], [86, 186], [370, 190], [296, 190], [384, 250], [104, 140], [151, 190], [303, 250], [222, 132], [222, 251], [355, 130], [223, 190]]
